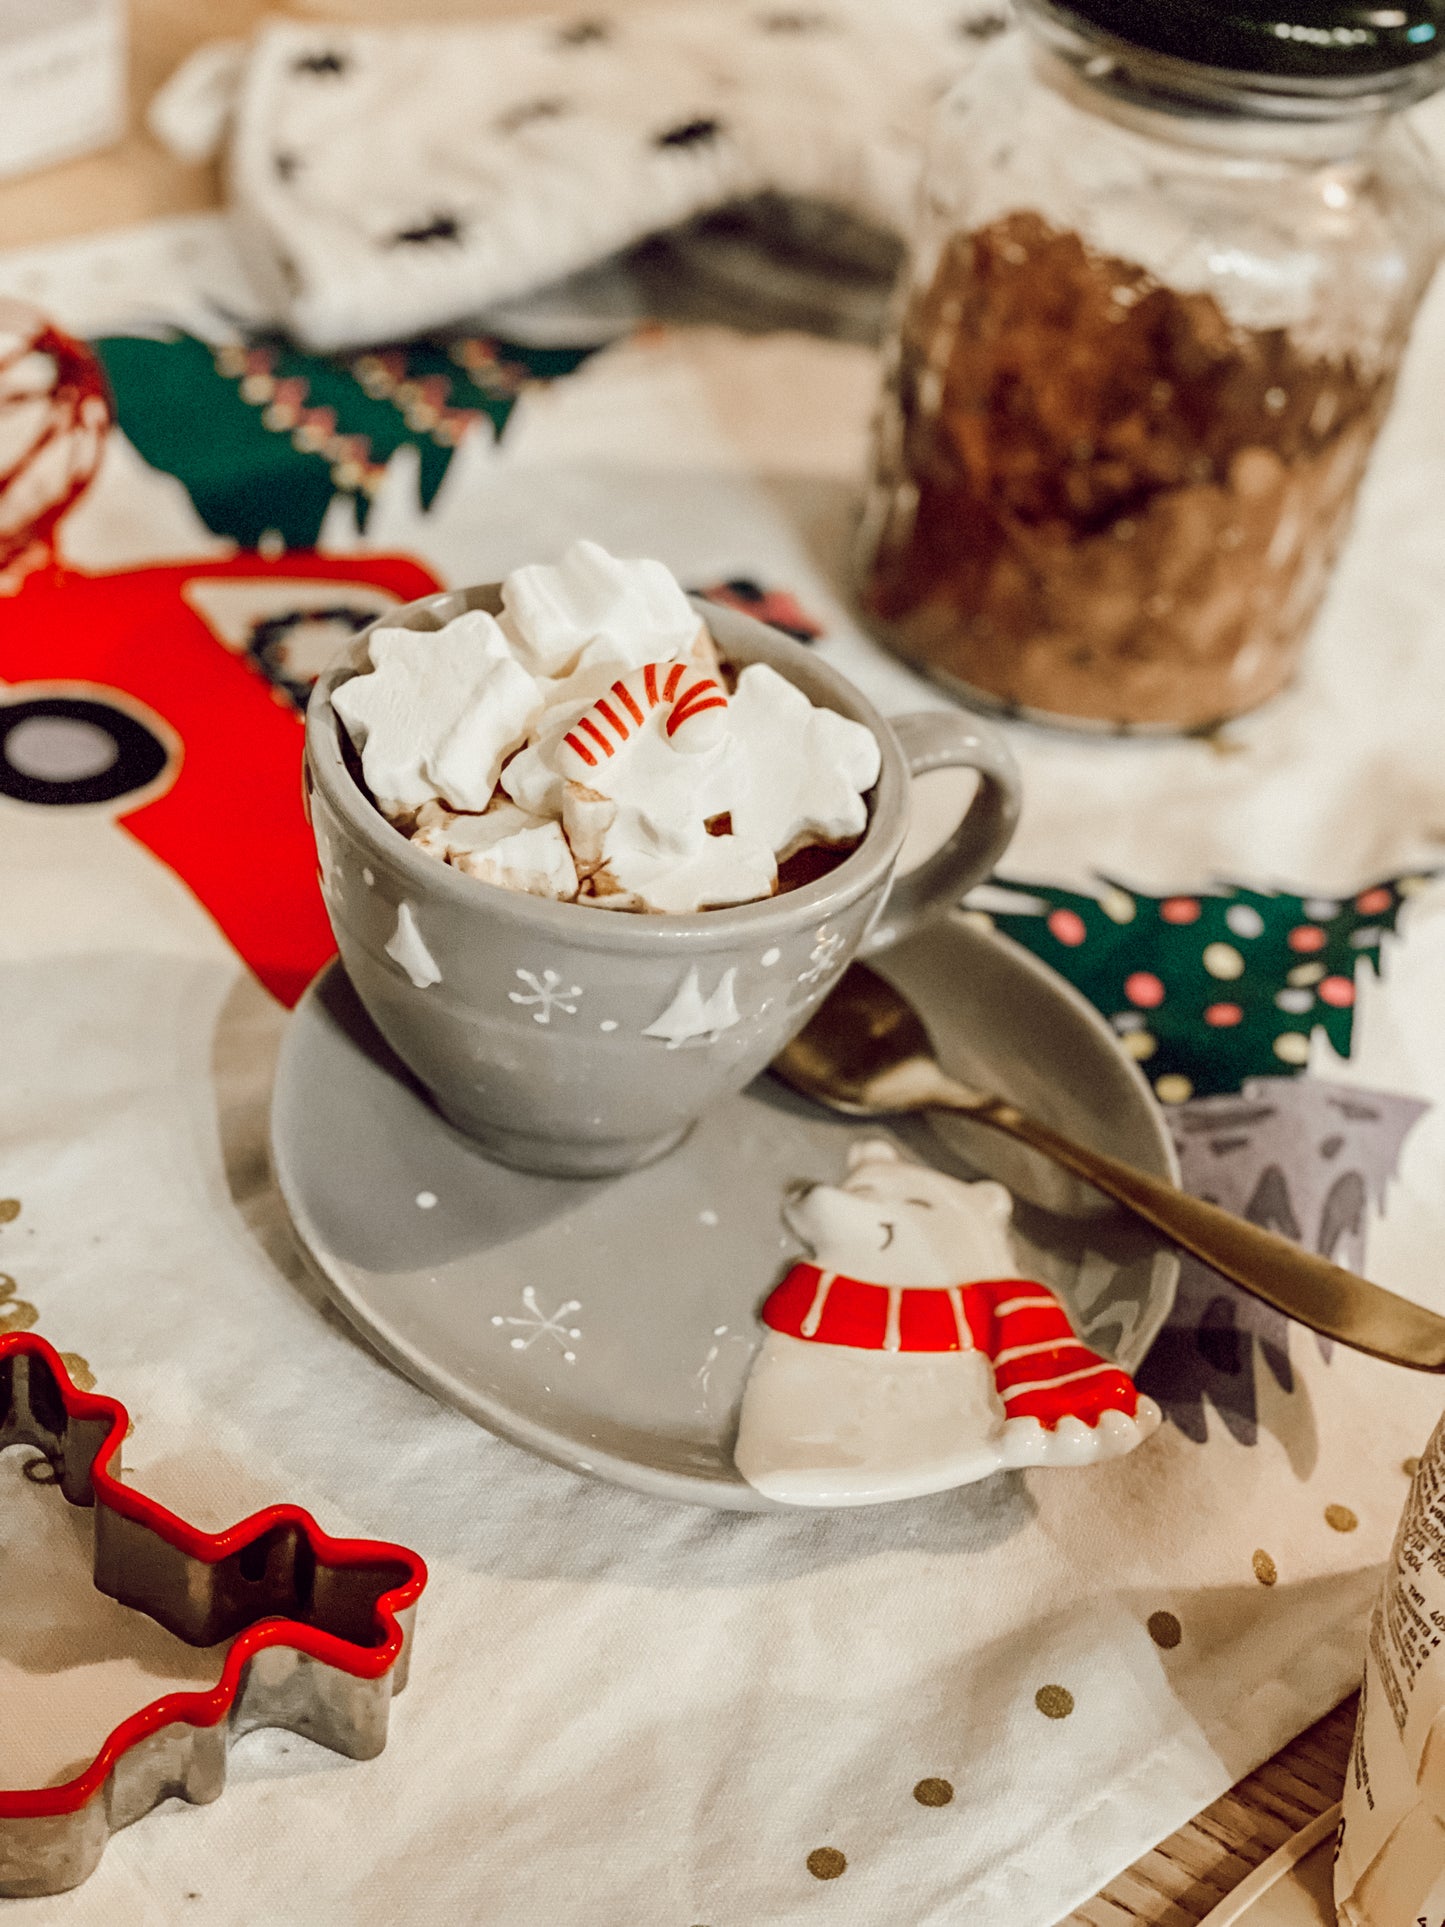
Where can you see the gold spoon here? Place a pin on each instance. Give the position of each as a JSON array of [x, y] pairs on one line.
[[866, 1053]]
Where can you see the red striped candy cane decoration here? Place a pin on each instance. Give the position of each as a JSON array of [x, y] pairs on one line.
[[696, 711]]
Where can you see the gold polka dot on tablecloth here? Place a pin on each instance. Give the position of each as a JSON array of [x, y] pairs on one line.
[[1165, 1630], [1139, 1044], [1340, 1518], [933, 1793], [17, 1314], [81, 1376], [9, 1208], [1054, 1702], [826, 1863], [1265, 1570], [1410, 1467]]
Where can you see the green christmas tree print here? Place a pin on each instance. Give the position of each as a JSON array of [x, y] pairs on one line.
[[264, 436], [1207, 990]]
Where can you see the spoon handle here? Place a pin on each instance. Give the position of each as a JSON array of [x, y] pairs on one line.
[[1299, 1283]]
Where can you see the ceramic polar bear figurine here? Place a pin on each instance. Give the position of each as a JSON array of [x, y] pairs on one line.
[[909, 1357]]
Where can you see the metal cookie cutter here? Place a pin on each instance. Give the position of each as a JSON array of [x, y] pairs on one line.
[[320, 1631]]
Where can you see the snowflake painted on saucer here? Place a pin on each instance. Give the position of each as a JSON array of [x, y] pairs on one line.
[[536, 1323]]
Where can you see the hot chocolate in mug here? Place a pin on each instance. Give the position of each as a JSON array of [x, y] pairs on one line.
[[580, 1042]]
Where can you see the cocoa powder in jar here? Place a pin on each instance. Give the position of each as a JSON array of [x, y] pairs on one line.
[[1101, 498]]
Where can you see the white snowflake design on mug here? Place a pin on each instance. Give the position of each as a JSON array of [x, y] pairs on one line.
[[546, 994]]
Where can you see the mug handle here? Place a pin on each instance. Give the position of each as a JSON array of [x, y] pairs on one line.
[[939, 739]]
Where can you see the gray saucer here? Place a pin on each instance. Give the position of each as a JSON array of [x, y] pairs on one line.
[[608, 1323]]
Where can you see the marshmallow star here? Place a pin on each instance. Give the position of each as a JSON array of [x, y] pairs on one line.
[[438, 713], [805, 769], [593, 606]]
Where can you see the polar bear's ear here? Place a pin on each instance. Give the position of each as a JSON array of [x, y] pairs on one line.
[[994, 1199], [872, 1150]]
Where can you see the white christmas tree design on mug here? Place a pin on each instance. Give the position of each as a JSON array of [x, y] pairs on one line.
[[692, 1018]]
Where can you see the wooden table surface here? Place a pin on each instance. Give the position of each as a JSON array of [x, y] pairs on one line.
[[1194, 1869], [1185, 1876]]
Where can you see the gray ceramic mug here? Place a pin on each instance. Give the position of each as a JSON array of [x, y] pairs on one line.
[[581, 1042]]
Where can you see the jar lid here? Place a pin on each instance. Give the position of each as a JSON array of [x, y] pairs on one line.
[[1300, 41]]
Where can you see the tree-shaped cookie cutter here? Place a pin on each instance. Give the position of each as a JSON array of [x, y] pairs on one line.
[[319, 1631]]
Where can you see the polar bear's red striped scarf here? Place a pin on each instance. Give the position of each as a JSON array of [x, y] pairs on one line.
[[1041, 1367]]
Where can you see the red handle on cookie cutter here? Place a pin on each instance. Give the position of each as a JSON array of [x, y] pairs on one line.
[[319, 1630]]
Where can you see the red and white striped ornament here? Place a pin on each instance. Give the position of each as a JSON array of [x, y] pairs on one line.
[[55, 413]]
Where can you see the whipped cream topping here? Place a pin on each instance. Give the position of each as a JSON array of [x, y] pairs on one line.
[[586, 748]]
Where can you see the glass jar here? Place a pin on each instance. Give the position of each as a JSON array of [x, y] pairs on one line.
[[1149, 328]]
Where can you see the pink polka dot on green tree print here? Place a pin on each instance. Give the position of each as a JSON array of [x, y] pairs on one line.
[[1211, 988]]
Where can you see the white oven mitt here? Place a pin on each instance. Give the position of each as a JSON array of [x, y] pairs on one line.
[[387, 181]]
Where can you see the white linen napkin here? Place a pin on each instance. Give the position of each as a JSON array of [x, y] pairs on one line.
[[387, 181]]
